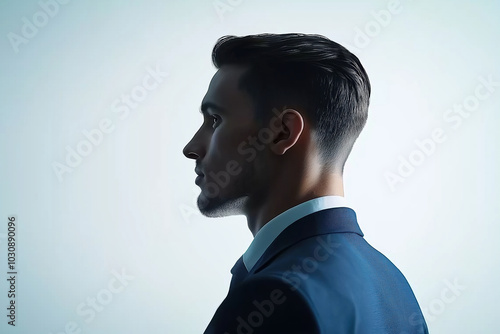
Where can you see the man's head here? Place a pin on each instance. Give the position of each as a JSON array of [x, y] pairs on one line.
[[277, 104]]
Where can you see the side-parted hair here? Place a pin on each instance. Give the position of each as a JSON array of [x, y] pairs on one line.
[[310, 73]]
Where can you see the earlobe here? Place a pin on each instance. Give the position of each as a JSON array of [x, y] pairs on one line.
[[291, 126]]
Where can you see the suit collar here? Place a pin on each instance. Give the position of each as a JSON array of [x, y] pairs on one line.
[[270, 231], [334, 220]]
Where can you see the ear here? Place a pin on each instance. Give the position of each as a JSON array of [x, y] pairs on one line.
[[287, 128]]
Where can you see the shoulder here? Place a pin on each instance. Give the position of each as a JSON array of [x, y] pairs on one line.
[[264, 304]]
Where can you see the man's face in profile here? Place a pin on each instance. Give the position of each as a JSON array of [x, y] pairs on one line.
[[230, 165]]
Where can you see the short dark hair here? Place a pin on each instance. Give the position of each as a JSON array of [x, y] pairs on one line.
[[310, 73]]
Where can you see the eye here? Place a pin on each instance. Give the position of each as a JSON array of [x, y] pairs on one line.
[[216, 121]]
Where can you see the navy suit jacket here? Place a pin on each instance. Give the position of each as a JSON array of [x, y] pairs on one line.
[[319, 276]]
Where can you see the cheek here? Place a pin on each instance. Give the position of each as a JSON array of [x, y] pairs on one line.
[[224, 144]]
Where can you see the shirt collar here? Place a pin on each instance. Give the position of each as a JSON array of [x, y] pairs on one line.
[[266, 235]]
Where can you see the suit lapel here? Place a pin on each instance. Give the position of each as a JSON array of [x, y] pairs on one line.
[[239, 272]]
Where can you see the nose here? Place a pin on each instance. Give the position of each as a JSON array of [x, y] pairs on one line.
[[194, 149]]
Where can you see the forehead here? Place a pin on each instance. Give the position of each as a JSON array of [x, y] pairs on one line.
[[224, 92]]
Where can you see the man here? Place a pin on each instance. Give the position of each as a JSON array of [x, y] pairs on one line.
[[280, 118]]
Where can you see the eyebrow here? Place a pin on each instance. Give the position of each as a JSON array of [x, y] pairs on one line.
[[211, 105]]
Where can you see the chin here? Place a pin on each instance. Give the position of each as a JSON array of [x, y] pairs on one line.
[[216, 207]]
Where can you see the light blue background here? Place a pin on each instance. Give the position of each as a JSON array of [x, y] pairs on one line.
[[130, 204]]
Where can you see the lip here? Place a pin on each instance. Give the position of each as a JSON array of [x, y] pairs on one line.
[[198, 171], [198, 179]]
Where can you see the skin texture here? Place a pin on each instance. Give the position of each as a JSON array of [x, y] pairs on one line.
[[252, 169]]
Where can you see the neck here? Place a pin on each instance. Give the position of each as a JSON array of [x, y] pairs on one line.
[[283, 195]]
